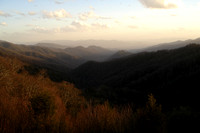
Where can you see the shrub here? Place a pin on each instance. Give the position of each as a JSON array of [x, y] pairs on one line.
[[150, 118], [42, 104], [103, 119]]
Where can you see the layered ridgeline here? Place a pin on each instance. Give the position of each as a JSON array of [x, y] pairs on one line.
[[173, 45], [94, 53], [172, 75], [91, 52], [57, 60], [168, 46]]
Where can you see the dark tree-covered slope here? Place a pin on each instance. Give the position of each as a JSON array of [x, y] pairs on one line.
[[172, 75]]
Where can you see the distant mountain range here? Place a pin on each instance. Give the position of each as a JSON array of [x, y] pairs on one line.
[[117, 45], [168, 46], [94, 53], [54, 57], [109, 44]]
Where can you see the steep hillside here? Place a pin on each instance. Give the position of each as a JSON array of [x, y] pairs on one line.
[[33, 104], [55, 60], [45, 54], [171, 75]]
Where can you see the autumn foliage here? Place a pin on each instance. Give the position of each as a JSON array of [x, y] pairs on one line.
[[34, 104]]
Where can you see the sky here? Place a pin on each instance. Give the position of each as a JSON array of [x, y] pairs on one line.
[[126, 20]]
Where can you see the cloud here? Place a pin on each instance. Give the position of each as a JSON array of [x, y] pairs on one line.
[[173, 15], [77, 26], [30, 0], [20, 13], [59, 2], [91, 7], [87, 15], [160, 4], [97, 26], [90, 15], [133, 27], [30, 25], [39, 29], [3, 24], [4, 14], [133, 17], [179, 29], [32, 13], [198, 4], [58, 14]]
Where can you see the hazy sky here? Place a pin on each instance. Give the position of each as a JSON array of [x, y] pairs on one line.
[[36, 20]]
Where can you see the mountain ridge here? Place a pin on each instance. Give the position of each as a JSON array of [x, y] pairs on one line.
[[165, 73], [168, 46]]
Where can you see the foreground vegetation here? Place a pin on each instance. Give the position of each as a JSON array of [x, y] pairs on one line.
[[33, 103]]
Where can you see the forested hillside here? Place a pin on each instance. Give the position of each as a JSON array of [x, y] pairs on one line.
[[172, 75], [41, 55], [56, 61], [35, 104], [147, 92]]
